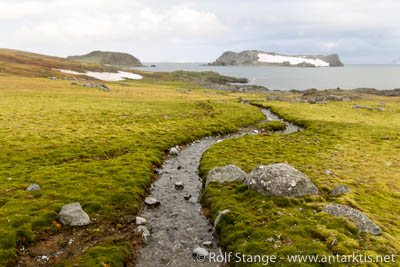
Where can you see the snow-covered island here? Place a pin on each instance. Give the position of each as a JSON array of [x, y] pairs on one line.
[[255, 57]]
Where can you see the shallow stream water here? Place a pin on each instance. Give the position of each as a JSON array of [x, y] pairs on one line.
[[177, 226]]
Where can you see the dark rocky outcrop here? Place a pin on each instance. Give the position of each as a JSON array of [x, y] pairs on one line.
[[373, 91], [109, 58], [251, 57]]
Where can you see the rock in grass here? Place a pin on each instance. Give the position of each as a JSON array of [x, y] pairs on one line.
[[73, 215], [281, 180], [340, 189], [140, 220], [200, 253], [32, 187], [103, 87], [228, 173], [362, 221], [152, 202], [173, 151]]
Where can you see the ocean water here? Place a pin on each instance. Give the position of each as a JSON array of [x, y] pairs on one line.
[[286, 78]]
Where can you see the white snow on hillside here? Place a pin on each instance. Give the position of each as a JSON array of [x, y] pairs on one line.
[[267, 58], [106, 76]]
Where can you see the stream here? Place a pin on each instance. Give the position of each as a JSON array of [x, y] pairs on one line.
[[177, 226]]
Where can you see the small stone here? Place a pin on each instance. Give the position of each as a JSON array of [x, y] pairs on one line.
[[179, 186], [200, 253], [193, 200], [187, 196], [340, 189], [103, 87], [32, 187], [208, 244], [140, 220], [152, 202], [73, 215], [173, 151], [158, 171], [145, 232], [388, 163], [328, 172]]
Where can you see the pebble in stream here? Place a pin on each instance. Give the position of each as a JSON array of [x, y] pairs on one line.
[[177, 225]]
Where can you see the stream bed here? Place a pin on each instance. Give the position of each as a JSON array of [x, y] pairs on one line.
[[177, 225]]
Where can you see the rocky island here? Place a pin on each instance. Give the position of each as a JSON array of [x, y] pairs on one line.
[[115, 59], [256, 57]]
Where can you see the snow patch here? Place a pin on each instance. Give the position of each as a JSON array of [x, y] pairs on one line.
[[106, 76], [268, 58]]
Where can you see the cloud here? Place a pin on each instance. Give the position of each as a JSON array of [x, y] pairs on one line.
[[161, 30], [60, 21]]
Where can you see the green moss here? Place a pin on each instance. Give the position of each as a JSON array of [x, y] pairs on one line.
[[338, 138], [82, 145], [113, 254], [272, 126]]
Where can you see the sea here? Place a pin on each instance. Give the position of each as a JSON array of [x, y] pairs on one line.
[[287, 78]]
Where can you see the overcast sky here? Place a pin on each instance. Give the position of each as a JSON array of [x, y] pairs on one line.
[[361, 31]]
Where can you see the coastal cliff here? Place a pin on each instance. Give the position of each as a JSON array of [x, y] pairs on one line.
[[256, 57]]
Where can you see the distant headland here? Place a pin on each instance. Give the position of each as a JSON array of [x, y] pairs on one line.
[[115, 59], [256, 57]]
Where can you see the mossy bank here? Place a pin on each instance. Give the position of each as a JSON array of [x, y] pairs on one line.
[[340, 145]]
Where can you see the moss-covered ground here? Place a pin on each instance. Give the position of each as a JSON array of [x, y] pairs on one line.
[[97, 148], [272, 126], [340, 145]]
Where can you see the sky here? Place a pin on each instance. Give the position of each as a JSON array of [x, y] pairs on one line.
[[360, 31]]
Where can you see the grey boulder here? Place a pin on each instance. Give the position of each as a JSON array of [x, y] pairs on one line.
[[73, 215], [362, 221], [228, 173], [281, 180], [340, 189]]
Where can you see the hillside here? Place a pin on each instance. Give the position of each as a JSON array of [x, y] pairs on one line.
[[109, 58], [256, 57], [35, 65]]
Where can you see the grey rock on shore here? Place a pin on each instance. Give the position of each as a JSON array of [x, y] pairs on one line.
[[280, 179], [362, 221]]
